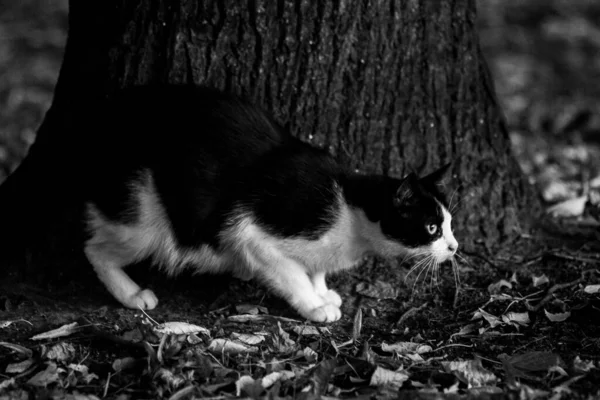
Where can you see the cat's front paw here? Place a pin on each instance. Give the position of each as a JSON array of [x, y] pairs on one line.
[[144, 299], [325, 313], [331, 297]]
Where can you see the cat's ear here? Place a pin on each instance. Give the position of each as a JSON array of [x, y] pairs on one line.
[[434, 178], [405, 194]]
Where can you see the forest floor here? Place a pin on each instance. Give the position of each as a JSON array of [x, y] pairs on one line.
[[523, 322]]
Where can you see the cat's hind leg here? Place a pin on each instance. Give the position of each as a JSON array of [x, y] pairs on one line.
[[330, 296], [109, 250]]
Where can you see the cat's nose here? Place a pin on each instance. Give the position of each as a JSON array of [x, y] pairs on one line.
[[452, 247]]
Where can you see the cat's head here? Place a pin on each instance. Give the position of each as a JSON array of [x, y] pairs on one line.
[[418, 216]]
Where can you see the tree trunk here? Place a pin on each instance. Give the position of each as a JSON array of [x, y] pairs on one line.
[[388, 86]]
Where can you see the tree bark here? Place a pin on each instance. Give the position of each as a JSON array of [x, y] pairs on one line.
[[388, 86]]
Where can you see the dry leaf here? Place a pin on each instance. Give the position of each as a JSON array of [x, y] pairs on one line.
[[310, 355], [581, 366], [491, 319], [248, 338], [270, 379], [64, 330], [496, 288], [180, 328], [62, 351], [406, 348], [385, 377], [6, 324], [308, 330], [17, 368], [46, 377], [558, 317], [122, 364], [84, 371], [378, 290], [465, 330], [568, 208], [517, 318], [219, 346], [18, 348], [257, 318], [251, 309], [5, 384], [534, 361], [592, 289], [471, 372], [540, 280], [357, 325]]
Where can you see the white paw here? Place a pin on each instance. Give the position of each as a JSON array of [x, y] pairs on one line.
[[144, 299], [325, 313], [331, 297]]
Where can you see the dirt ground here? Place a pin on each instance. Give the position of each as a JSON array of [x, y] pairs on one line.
[[522, 323]]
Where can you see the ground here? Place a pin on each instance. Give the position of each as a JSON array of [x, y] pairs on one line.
[[522, 322]]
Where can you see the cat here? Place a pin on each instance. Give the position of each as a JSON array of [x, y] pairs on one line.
[[195, 177]]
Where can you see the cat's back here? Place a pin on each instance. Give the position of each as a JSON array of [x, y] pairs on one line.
[[184, 120]]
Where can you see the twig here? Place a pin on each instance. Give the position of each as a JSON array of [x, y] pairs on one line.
[[550, 294], [574, 258], [527, 344], [410, 313], [453, 345]]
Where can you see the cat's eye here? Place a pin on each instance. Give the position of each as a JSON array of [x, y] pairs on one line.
[[432, 229]]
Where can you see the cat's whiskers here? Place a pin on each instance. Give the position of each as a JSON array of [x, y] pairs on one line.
[[463, 259], [455, 272], [410, 256], [417, 265], [452, 197], [424, 266]]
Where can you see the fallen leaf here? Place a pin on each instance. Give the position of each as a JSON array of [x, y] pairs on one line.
[[122, 364], [491, 319], [219, 346], [6, 324], [406, 348], [62, 351], [495, 288], [378, 290], [540, 280], [269, 380], [248, 338], [534, 361], [5, 384], [357, 324], [251, 309], [581, 366], [46, 377], [321, 376], [282, 341], [558, 317], [308, 330], [592, 289], [18, 348], [385, 377], [17, 368], [471, 372], [180, 328], [465, 330], [310, 355], [568, 208], [246, 384], [257, 318], [64, 330], [83, 371], [517, 318]]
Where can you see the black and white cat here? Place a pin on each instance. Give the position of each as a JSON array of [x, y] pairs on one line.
[[194, 177]]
